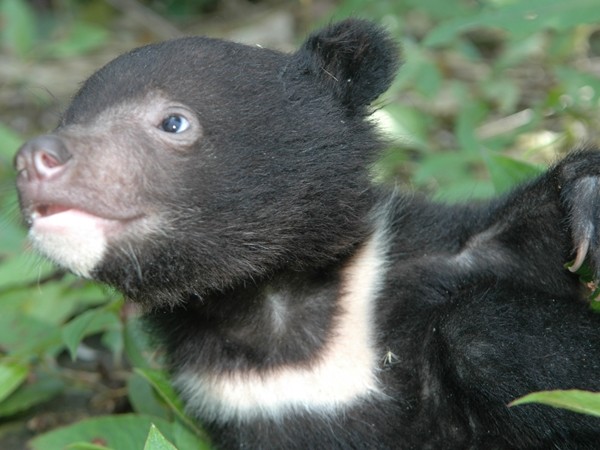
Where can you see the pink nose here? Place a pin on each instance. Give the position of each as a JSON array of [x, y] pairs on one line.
[[42, 158]]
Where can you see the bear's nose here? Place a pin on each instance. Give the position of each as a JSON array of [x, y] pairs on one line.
[[42, 158]]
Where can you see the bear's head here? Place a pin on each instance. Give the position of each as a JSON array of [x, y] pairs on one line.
[[198, 164]]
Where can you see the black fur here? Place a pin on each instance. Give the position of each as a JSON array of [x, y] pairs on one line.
[[269, 197], [356, 61]]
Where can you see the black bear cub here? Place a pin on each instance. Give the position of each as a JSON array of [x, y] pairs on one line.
[[226, 188]]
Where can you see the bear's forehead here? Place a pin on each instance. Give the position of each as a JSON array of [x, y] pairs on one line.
[[183, 69], [180, 62]]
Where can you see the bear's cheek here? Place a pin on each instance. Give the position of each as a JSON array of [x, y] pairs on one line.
[[73, 239]]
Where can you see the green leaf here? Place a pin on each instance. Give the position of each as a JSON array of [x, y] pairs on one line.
[[136, 344], [572, 81], [29, 395], [87, 323], [86, 446], [25, 267], [518, 52], [165, 390], [439, 9], [26, 335], [112, 339], [406, 123], [82, 38], [185, 438], [125, 431], [574, 400], [13, 235], [10, 142], [143, 398], [18, 30], [156, 441], [520, 19], [469, 118], [507, 172], [429, 79], [453, 176], [462, 189], [46, 302], [12, 375], [89, 294]]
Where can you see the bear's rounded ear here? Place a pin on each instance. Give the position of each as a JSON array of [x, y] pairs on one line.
[[355, 59]]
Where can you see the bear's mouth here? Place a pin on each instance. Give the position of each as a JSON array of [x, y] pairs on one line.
[[78, 238], [57, 218], [45, 210], [64, 219]]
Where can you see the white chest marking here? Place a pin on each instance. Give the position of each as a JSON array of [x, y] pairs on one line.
[[343, 373]]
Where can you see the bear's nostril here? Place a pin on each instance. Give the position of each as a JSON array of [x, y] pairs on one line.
[[45, 163], [41, 158]]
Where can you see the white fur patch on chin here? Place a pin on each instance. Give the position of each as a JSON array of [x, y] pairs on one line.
[[345, 372], [72, 239]]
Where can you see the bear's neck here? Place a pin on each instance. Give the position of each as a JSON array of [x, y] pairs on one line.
[[301, 340]]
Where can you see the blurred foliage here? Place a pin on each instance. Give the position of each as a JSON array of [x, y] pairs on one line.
[[182, 9], [60, 32], [490, 92]]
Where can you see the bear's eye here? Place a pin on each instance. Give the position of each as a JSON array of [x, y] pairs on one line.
[[174, 124]]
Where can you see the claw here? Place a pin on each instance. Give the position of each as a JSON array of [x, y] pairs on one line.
[[583, 202], [582, 250]]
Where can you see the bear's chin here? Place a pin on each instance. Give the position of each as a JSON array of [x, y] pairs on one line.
[[74, 239]]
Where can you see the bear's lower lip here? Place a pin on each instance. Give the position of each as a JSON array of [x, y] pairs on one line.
[[61, 219], [45, 210], [49, 210]]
